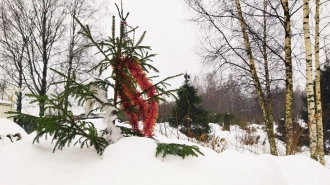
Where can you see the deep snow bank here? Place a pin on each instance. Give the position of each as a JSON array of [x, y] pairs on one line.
[[132, 161]]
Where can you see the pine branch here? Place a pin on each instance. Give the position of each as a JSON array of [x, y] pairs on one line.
[[177, 149]]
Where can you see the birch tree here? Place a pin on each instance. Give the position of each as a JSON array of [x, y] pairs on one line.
[[77, 55], [47, 19], [288, 79], [309, 81], [314, 104], [319, 121], [249, 51], [265, 58], [266, 108]]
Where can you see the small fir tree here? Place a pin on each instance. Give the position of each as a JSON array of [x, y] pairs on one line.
[[187, 114], [134, 94]]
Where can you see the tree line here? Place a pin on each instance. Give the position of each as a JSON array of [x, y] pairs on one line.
[[263, 43], [228, 96]]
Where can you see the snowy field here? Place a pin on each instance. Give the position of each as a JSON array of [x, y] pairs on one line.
[[132, 160]]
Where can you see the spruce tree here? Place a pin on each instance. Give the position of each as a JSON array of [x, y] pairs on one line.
[[187, 114], [134, 94]]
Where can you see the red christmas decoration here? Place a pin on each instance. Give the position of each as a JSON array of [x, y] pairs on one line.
[[132, 101]]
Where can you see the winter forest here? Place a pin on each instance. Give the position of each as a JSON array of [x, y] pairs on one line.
[[172, 92]]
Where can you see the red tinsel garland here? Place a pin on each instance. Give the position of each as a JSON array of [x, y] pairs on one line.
[[147, 110], [141, 78]]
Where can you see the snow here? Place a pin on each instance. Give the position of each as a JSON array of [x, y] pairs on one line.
[[8, 127], [132, 160], [233, 139], [6, 102], [109, 119]]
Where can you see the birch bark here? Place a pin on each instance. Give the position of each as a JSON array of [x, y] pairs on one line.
[[288, 80], [319, 125], [268, 118], [309, 82]]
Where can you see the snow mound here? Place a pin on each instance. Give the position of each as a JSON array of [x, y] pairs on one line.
[[9, 129], [132, 160]]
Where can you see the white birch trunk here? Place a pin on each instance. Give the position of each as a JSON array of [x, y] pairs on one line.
[[268, 118], [309, 82], [319, 124]]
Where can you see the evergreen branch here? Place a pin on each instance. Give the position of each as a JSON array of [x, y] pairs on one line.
[[80, 91], [141, 39], [63, 128], [177, 149], [127, 132]]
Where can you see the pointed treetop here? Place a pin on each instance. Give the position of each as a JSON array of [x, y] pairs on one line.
[[186, 77]]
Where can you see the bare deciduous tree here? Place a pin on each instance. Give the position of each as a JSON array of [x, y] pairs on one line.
[[47, 17], [78, 57], [259, 51], [251, 38], [15, 30], [33, 34]]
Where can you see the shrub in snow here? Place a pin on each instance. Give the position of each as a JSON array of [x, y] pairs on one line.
[[300, 134], [248, 137]]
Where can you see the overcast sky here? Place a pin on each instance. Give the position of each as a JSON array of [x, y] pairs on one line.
[[169, 34]]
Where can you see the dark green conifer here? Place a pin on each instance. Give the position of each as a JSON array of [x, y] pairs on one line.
[[187, 114]]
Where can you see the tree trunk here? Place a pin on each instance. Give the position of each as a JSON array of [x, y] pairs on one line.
[[43, 88], [70, 57], [268, 118], [14, 33], [319, 125], [19, 94], [309, 82], [288, 80], [20, 78], [268, 92]]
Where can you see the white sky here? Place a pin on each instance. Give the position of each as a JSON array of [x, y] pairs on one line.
[[169, 34]]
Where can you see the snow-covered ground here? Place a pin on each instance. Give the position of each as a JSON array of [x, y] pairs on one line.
[[132, 160], [236, 139], [7, 131]]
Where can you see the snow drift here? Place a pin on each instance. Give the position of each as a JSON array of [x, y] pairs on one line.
[[7, 131], [132, 160]]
